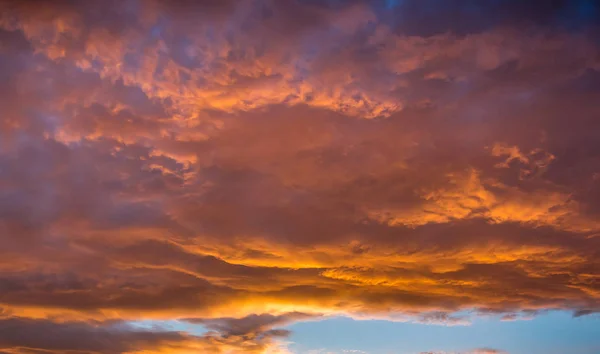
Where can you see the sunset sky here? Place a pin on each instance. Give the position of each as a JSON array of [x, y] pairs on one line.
[[300, 177]]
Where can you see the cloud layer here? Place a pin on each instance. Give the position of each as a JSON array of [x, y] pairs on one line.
[[246, 164]]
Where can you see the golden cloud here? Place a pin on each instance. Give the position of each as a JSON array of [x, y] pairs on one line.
[[215, 164]]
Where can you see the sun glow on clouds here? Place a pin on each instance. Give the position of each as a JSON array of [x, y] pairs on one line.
[[242, 165]]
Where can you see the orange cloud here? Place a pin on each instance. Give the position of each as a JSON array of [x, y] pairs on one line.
[[243, 168]]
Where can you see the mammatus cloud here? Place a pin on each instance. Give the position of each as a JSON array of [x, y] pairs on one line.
[[242, 165]]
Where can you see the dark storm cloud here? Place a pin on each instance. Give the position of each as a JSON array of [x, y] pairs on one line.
[[463, 17], [43, 336]]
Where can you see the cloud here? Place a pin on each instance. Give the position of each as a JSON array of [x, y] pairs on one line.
[[474, 351], [247, 165], [487, 351], [248, 325], [32, 336]]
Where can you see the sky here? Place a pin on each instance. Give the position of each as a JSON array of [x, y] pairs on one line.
[[299, 177]]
